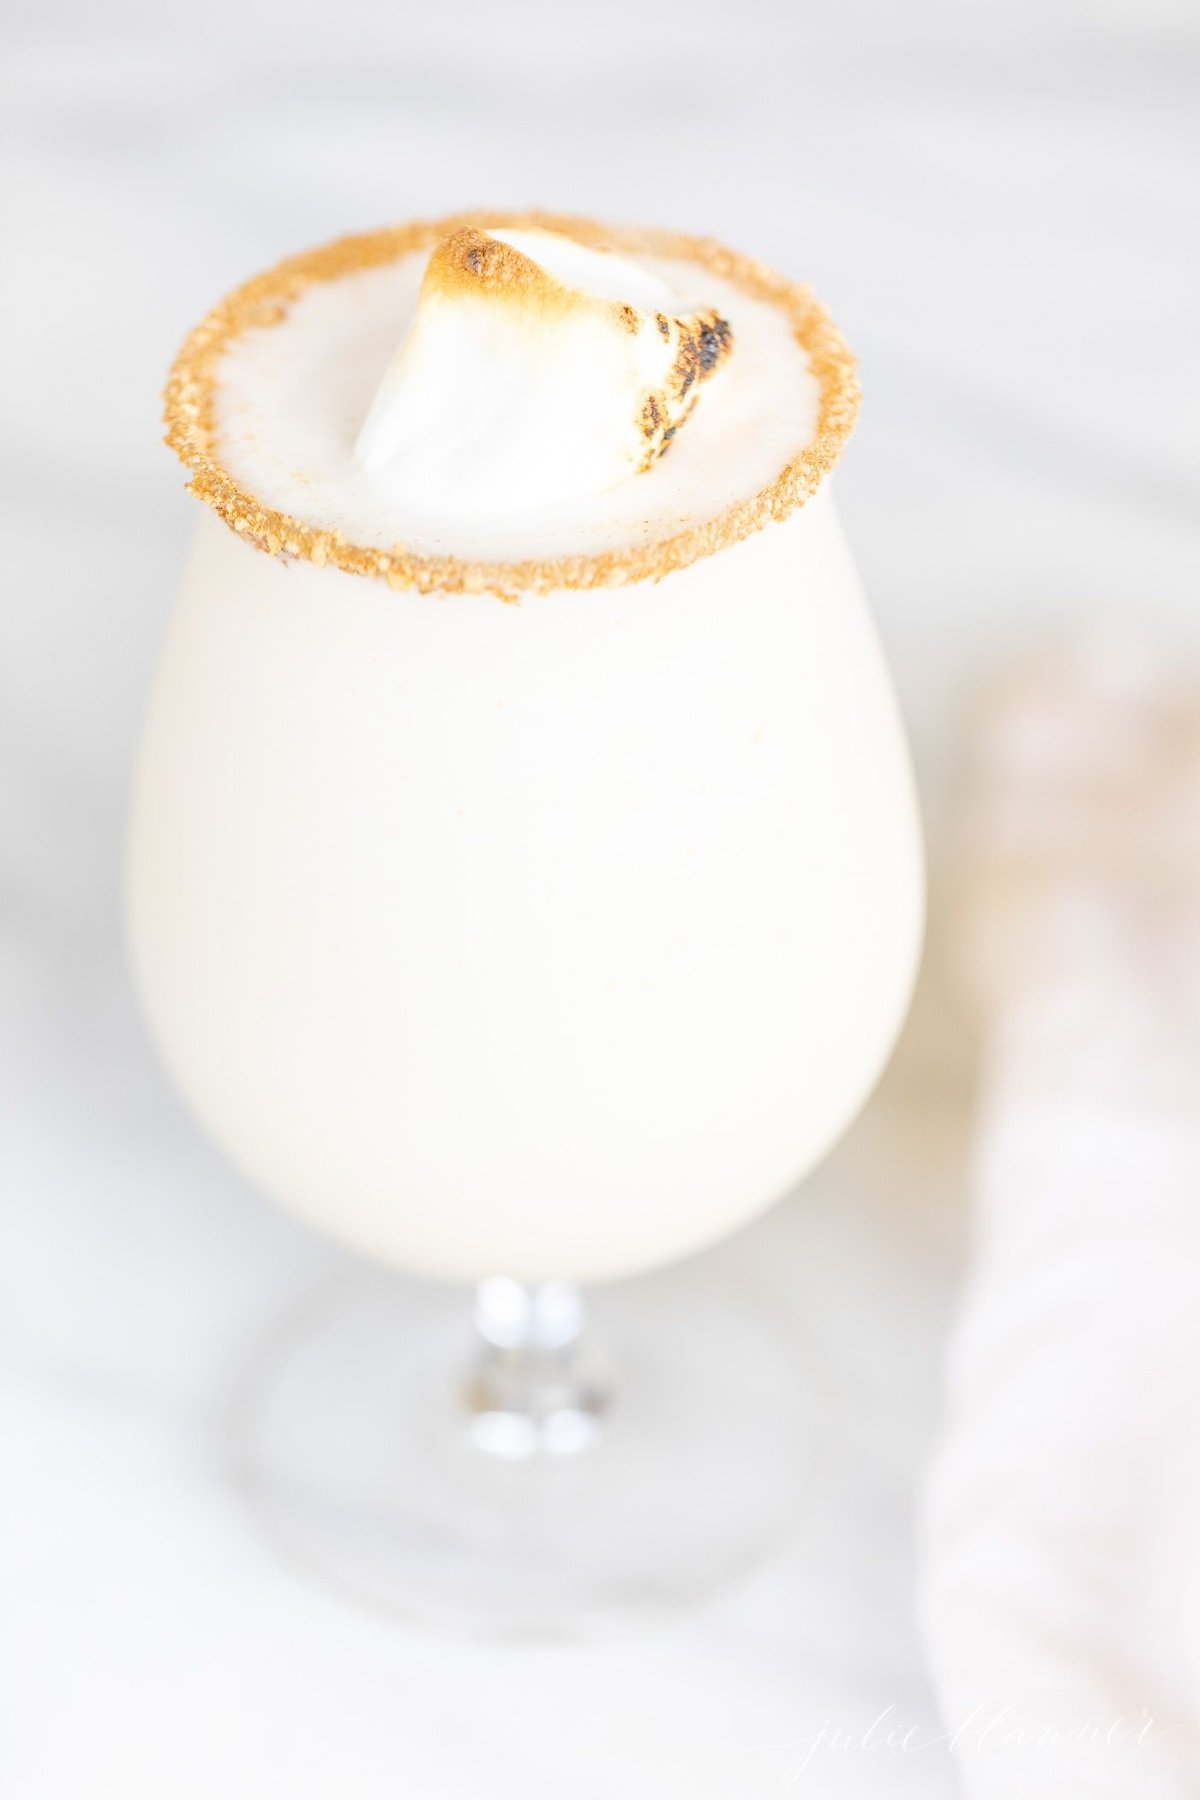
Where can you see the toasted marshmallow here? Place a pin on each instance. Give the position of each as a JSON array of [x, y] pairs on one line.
[[535, 370]]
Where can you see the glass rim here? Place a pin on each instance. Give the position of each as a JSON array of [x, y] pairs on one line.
[[188, 414]]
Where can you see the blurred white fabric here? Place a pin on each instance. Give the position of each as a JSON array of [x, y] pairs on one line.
[[990, 200], [1061, 1584]]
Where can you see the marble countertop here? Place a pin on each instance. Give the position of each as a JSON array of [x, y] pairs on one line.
[[993, 201]]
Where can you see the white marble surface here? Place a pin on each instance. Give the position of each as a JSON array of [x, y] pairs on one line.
[[995, 202]]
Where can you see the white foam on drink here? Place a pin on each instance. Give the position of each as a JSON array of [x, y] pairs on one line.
[[291, 398]]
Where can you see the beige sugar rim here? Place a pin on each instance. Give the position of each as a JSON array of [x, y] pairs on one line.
[[264, 300]]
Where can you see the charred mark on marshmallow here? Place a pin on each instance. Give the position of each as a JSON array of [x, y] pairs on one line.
[[715, 340], [702, 343], [472, 262]]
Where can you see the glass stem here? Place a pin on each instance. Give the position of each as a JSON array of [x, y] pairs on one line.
[[535, 1387]]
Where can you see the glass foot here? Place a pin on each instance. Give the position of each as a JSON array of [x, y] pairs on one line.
[[539, 1476]]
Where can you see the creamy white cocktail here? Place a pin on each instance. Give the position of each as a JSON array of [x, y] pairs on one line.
[[524, 871], [557, 937]]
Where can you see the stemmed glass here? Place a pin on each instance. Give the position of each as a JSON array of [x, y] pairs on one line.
[[535, 947]]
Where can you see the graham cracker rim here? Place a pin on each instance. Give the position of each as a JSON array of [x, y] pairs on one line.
[[263, 301]]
